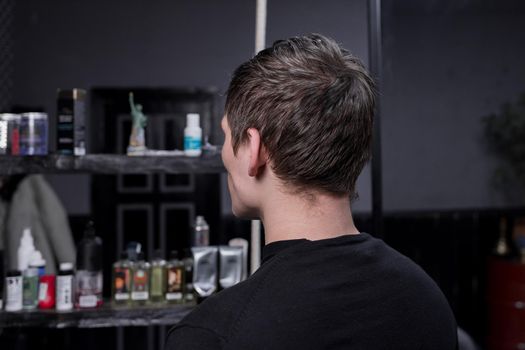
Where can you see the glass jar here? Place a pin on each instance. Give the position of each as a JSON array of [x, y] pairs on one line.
[[9, 133], [33, 134]]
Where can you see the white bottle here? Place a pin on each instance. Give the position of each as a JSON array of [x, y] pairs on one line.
[[64, 287], [192, 135], [13, 300], [25, 250]]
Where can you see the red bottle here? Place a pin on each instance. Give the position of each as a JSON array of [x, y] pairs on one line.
[[46, 292]]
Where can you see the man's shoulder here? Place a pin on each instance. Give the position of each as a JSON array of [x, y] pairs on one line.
[[215, 318], [227, 304]]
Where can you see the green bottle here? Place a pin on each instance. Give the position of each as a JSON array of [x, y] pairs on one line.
[[158, 277], [30, 288]]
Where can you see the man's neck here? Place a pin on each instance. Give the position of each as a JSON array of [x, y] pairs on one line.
[[294, 217]]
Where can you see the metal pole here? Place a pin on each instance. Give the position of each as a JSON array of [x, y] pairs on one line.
[[260, 44], [376, 65], [260, 26]]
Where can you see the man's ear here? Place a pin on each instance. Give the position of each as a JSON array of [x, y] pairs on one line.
[[258, 156]]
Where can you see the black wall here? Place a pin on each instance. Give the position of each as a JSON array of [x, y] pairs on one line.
[[154, 44], [447, 64]]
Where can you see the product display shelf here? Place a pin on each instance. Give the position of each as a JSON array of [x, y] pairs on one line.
[[105, 316], [209, 162]]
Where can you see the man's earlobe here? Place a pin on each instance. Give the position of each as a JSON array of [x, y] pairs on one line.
[[258, 155]]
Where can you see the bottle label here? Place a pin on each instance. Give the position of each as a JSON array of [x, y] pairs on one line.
[[173, 296], [140, 295], [14, 294], [122, 281], [140, 280], [42, 292], [175, 279], [87, 301], [121, 296], [192, 143], [15, 142], [30, 293], [88, 288], [64, 292]]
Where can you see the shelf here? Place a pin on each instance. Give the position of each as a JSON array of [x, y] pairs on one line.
[[105, 316], [110, 164]]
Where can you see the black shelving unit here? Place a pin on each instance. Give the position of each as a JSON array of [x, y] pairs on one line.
[[106, 316], [208, 163]]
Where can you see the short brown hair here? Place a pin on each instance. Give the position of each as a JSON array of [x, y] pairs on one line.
[[312, 102]]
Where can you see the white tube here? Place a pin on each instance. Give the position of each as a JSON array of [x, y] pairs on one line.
[[260, 26]]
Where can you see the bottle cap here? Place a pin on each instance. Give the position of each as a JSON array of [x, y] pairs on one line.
[[13, 273], [36, 259], [30, 272], [193, 120], [66, 266], [133, 249], [27, 238], [90, 229]]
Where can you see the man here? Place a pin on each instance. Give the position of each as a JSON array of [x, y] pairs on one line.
[[298, 126]]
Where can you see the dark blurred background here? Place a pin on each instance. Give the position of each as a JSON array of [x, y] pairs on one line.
[[446, 66]]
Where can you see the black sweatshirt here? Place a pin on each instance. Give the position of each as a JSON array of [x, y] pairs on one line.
[[348, 292]]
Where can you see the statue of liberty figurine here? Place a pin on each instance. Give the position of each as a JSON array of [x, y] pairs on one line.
[[137, 142]]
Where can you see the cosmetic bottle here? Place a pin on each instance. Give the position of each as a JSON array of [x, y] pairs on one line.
[[30, 288], [140, 281], [192, 135], [88, 278], [13, 287], [158, 278], [201, 233], [122, 274], [64, 287], [175, 273]]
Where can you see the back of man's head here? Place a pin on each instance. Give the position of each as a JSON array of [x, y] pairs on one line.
[[312, 103]]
